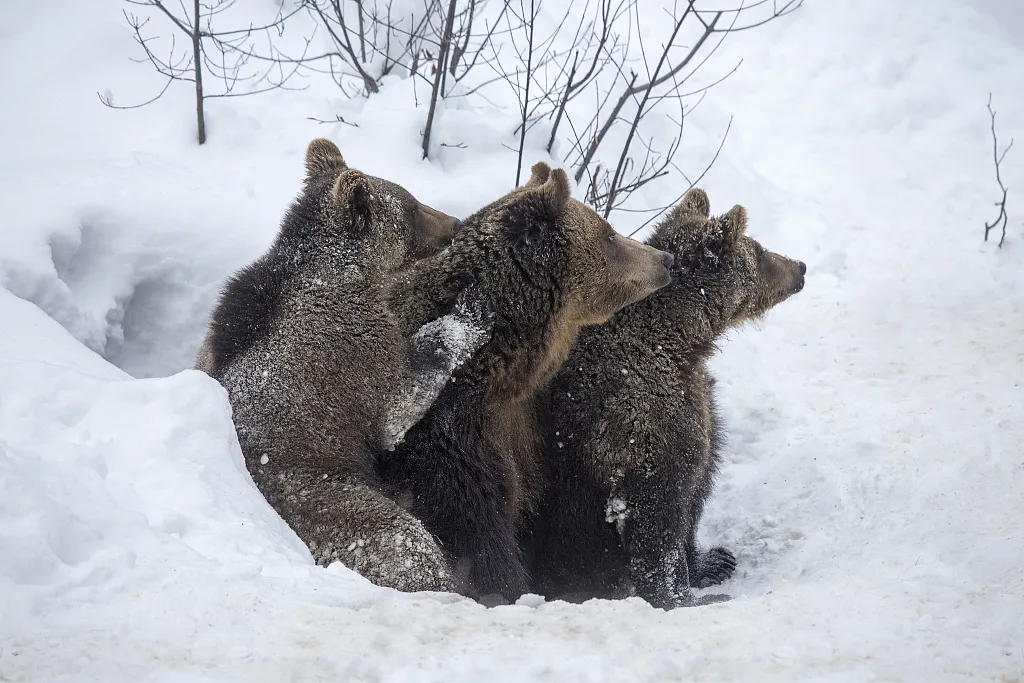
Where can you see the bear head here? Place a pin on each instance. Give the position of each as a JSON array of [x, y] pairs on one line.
[[551, 265], [719, 264], [597, 270], [377, 212]]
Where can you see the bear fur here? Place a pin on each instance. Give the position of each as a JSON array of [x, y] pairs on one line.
[[323, 378], [547, 266], [635, 441]]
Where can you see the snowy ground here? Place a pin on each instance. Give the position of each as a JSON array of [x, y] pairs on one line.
[[875, 485]]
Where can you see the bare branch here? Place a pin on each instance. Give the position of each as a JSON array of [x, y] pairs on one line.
[[693, 183], [1001, 219], [160, 6], [634, 89], [108, 101], [338, 118], [526, 96]]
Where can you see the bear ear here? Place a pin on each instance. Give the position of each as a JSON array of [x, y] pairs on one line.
[[351, 195], [734, 224], [323, 156], [695, 201], [538, 174], [545, 204], [555, 190]]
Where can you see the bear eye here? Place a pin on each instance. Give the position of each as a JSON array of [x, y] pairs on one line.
[[611, 238]]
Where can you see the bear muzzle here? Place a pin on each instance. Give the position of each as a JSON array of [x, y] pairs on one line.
[[799, 284], [434, 230]]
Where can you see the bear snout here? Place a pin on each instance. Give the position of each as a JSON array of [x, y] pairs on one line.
[[664, 273], [799, 284], [433, 230]]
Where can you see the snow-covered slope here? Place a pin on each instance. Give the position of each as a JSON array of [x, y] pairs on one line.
[[875, 484]]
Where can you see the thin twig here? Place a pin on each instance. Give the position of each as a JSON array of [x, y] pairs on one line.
[[1002, 218], [526, 96], [692, 184], [338, 118]]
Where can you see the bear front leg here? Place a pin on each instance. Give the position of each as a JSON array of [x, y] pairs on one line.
[[708, 567], [494, 567], [460, 496], [646, 508], [468, 512]]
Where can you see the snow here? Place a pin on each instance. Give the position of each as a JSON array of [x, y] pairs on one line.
[[874, 489]]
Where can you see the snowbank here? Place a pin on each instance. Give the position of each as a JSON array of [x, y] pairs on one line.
[[875, 486]]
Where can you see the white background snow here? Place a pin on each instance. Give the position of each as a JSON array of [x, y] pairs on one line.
[[874, 490]]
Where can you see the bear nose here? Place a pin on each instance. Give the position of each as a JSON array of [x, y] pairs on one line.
[[667, 259], [803, 267], [457, 225]]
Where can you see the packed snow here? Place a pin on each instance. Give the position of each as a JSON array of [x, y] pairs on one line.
[[874, 486]]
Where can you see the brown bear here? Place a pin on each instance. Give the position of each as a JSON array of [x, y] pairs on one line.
[[323, 377], [547, 266], [634, 440]]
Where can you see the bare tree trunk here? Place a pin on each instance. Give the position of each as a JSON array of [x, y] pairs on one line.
[[442, 55], [526, 97], [362, 34], [197, 56]]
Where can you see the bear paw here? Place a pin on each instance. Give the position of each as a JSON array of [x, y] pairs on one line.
[[712, 568]]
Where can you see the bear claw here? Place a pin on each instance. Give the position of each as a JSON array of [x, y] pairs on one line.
[[712, 568]]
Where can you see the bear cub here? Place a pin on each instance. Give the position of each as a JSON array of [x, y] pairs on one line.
[[547, 266], [324, 377], [635, 442]]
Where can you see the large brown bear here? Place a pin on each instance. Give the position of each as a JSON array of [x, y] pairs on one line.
[[323, 377], [547, 266], [635, 442]]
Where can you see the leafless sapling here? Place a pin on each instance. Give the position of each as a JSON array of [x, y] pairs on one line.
[[223, 54], [998, 157]]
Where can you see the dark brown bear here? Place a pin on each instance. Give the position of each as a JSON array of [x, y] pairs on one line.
[[547, 266], [635, 441], [323, 377]]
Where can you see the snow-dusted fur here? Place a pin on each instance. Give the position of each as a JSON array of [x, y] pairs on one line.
[[547, 265], [635, 441], [322, 376]]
